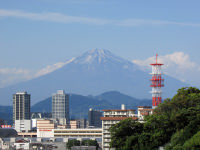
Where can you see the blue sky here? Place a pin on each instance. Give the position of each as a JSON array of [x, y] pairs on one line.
[[35, 34]]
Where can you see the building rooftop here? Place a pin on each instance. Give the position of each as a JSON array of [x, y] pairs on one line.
[[60, 92], [146, 110], [144, 107], [7, 132], [118, 118], [119, 110], [22, 92]]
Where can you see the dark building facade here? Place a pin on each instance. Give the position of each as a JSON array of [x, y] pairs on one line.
[[82, 123], [94, 118], [21, 106]]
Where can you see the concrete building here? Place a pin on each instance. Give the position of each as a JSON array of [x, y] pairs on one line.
[[64, 133], [22, 144], [78, 133], [6, 133], [78, 123], [60, 107], [48, 129], [112, 117], [34, 118], [82, 123], [45, 128], [94, 118], [73, 124], [22, 125], [21, 111], [144, 111], [27, 134]]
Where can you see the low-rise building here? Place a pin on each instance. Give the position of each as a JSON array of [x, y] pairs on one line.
[[78, 133], [22, 125], [144, 111], [27, 134], [73, 124], [22, 144], [78, 123], [82, 123], [45, 128]]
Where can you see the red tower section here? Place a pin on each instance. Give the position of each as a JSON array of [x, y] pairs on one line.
[[156, 83]]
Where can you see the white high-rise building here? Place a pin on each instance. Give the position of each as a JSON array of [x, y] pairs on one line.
[[60, 107]]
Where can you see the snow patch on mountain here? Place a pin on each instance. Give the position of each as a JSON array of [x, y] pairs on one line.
[[51, 68], [97, 56]]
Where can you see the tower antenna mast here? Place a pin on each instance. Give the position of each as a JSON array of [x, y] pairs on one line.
[[156, 83]]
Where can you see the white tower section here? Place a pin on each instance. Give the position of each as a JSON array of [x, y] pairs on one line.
[[156, 83]]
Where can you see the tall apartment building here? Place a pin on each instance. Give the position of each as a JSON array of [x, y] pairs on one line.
[[60, 107], [112, 117], [21, 111], [94, 118]]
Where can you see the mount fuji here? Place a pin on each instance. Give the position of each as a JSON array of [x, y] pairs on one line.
[[94, 72]]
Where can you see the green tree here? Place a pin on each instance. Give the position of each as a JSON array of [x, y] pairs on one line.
[[174, 123], [193, 143], [90, 143], [123, 130], [72, 143]]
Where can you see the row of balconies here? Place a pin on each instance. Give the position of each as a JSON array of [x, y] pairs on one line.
[[106, 137], [107, 140], [77, 136], [106, 145], [106, 127], [110, 122]]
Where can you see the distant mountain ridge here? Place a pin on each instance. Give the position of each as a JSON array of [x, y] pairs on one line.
[[94, 72], [79, 105]]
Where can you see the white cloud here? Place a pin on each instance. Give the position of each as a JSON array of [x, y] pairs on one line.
[[49, 16], [14, 71], [178, 59], [177, 65], [63, 18], [10, 76]]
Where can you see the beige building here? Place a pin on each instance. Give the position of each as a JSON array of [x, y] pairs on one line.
[[112, 117], [27, 134], [78, 133], [73, 124], [48, 129], [45, 128]]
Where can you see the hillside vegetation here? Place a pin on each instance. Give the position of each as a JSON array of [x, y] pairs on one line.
[[175, 125]]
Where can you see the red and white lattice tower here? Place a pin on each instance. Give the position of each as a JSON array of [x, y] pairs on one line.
[[156, 83]]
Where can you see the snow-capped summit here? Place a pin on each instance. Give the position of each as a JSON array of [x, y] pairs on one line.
[[97, 56], [102, 59]]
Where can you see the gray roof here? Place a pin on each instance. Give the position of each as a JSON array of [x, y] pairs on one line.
[[7, 132]]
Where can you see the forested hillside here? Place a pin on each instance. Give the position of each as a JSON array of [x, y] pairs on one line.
[[175, 125]]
